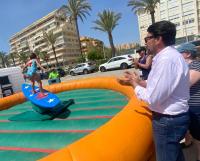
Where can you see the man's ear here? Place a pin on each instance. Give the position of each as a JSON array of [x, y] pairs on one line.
[[159, 40]]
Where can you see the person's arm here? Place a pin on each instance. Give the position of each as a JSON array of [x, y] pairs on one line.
[[143, 83], [166, 77], [135, 62], [148, 63], [135, 78], [39, 65], [57, 74], [131, 79], [194, 77], [24, 67], [50, 75]]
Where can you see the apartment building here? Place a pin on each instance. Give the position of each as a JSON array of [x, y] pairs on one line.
[[87, 43], [31, 39], [125, 46], [184, 13]]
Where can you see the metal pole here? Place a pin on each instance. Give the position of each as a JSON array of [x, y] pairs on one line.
[[104, 55], [183, 18]]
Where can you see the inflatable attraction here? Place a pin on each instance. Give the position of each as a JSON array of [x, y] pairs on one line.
[[127, 136]]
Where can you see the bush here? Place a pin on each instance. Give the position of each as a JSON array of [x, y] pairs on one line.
[[95, 54]]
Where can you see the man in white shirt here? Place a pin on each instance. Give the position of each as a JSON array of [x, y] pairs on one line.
[[166, 91]]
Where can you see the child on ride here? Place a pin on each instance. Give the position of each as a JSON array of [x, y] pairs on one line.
[[32, 74]]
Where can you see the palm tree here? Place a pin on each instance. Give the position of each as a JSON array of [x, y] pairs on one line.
[[107, 21], [77, 9], [44, 56], [23, 57], [3, 58], [12, 56], [50, 38], [147, 6]]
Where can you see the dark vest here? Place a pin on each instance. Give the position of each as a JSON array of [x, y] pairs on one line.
[[145, 72]]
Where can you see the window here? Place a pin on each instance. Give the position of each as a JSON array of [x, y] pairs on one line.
[[188, 21], [177, 24], [191, 20], [79, 65], [187, 4], [119, 58], [116, 59]]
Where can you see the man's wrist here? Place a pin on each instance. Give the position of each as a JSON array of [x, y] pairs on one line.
[[134, 84]]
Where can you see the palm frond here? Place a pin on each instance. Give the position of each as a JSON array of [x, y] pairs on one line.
[[107, 21], [78, 9], [143, 5], [49, 37]]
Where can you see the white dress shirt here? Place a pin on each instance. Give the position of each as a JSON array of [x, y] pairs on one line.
[[167, 89]]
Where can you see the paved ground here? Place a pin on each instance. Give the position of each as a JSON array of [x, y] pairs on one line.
[[189, 152], [96, 74]]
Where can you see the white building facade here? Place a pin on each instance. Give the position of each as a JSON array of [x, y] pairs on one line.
[[184, 13], [31, 39]]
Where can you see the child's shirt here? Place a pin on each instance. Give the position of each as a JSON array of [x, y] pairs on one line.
[[32, 67]]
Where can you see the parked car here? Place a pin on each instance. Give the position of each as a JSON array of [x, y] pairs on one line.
[[83, 68], [118, 62]]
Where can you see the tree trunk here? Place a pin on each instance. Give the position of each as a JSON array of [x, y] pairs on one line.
[[54, 52], [47, 64], [111, 43], [152, 17], [3, 62], [78, 34], [13, 59]]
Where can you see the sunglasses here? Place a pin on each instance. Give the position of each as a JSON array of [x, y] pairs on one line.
[[146, 39]]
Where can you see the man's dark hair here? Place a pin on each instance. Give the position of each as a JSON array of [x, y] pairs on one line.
[[33, 56], [165, 29]]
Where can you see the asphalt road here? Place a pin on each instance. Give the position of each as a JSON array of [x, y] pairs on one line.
[[116, 73]]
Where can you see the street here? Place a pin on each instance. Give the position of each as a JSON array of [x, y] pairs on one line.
[[116, 73]]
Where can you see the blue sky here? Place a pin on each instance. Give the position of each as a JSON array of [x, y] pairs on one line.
[[18, 14]]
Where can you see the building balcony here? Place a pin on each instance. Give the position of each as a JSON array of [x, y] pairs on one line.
[[38, 39], [59, 42], [24, 45], [13, 50], [40, 45], [57, 30]]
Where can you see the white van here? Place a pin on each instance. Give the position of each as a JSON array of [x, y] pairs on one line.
[[11, 80]]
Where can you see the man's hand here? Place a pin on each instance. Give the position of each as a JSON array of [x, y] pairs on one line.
[[124, 81], [129, 78]]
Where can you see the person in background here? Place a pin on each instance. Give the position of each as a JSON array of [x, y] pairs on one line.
[[166, 91], [32, 74], [144, 62], [53, 74], [54, 77], [189, 53]]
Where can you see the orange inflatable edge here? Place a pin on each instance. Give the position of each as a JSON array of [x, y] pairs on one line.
[[126, 137]]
